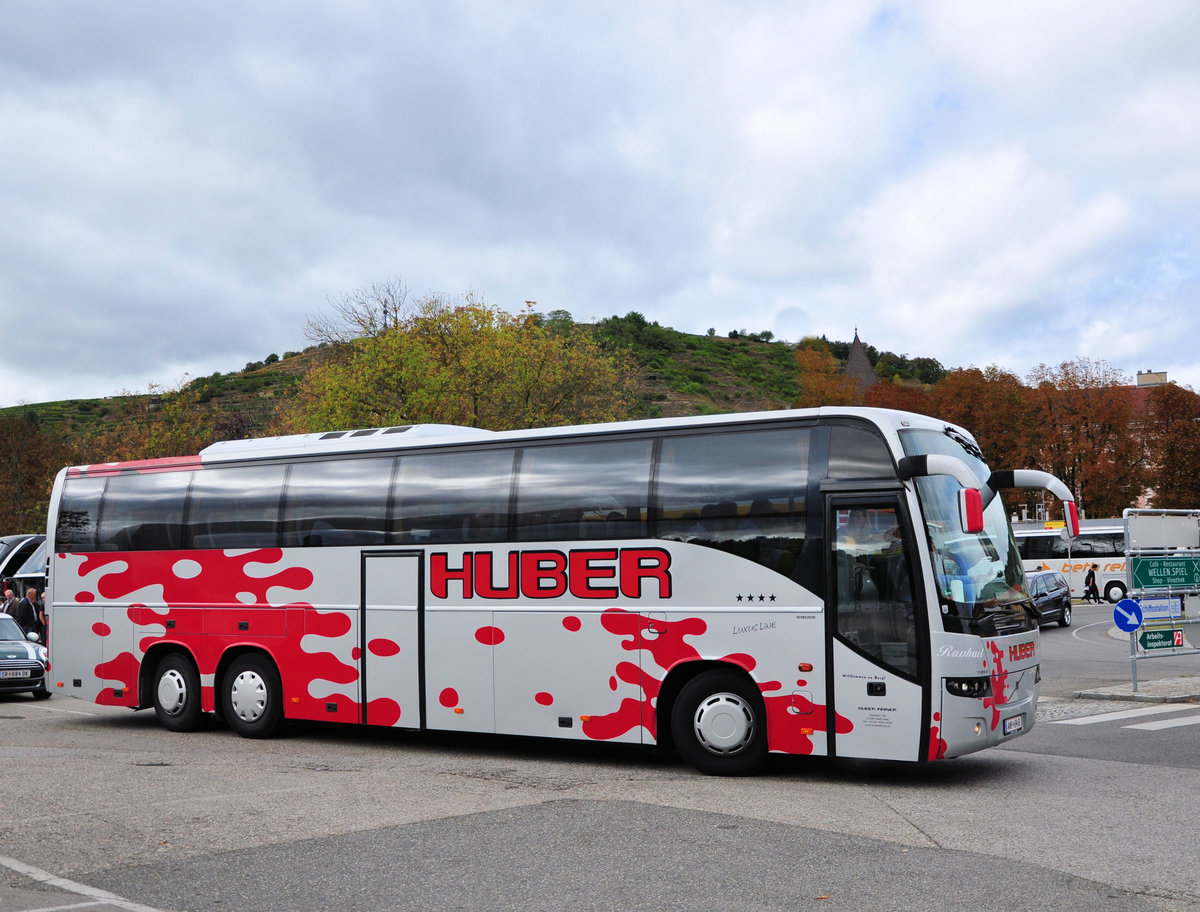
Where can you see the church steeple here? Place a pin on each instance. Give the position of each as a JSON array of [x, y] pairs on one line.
[[858, 365]]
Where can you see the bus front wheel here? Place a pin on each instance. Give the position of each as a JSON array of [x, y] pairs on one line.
[[177, 693], [253, 697], [719, 724]]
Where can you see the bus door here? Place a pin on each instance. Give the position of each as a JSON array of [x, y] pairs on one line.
[[390, 646], [876, 661]]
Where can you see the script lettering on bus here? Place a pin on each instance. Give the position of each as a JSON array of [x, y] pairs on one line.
[[1021, 651], [600, 573], [960, 653]]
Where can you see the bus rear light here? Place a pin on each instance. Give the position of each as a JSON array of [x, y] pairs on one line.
[[970, 510], [972, 688]]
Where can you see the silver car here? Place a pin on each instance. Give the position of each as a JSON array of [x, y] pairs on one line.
[[23, 661]]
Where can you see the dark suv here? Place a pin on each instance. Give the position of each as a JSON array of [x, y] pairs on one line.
[[1051, 597]]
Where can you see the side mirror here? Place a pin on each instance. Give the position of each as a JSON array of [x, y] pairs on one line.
[[33, 637], [970, 510]]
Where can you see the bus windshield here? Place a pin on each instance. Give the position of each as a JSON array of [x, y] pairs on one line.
[[981, 583]]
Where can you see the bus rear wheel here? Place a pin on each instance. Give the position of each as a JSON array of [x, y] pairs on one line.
[[1114, 592], [253, 697], [719, 724], [177, 693]]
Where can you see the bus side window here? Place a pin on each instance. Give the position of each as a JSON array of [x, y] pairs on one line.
[[79, 514], [235, 507], [337, 502], [739, 491], [143, 511], [583, 491], [450, 497]]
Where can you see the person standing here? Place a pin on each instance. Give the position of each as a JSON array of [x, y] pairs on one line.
[[27, 613], [9, 606]]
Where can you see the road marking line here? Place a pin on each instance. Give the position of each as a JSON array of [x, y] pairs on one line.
[[101, 896], [1166, 723], [1126, 714]]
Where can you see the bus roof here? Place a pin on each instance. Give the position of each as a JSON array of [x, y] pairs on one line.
[[427, 435]]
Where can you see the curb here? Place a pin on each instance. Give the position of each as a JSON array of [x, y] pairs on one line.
[[1139, 697]]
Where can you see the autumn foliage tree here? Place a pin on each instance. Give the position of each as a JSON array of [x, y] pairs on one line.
[[1083, 412], [994, 406], [887, 394], [467, 364], [822, 381], [27, 468], [162, 423], [1171, 431]]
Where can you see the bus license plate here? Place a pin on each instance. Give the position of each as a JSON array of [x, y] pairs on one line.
[[1014, 725], [14, 673]]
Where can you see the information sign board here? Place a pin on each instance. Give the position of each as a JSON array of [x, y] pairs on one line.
[[1161, 608], [1160, 639], [1165, 572]]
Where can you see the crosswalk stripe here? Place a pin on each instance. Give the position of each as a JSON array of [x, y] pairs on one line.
[[1127, 714], [1166, 723]]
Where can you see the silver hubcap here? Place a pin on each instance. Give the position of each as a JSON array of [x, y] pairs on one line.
[[248, 696], [172, 692], [724, 723]]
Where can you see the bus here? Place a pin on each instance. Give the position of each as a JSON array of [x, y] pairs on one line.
[[1044, 546], [839, 582]]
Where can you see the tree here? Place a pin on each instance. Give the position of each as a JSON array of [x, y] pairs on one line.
[[994, 406], [822, 381], [27, 469], [897, 396], [1083, 412], [1171, 433], [366, 312], [162, 423], [467, 364]]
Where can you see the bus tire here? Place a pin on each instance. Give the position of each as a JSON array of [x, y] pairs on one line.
[[1114, 591], [176, 693], [719, 724], [252, 697]]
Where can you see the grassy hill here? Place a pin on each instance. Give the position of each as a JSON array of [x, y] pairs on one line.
[[678, 374]]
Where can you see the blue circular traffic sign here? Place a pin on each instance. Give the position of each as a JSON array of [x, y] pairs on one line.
[[1127, 615]]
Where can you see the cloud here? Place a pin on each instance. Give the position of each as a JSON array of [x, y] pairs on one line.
[[1001, 184]]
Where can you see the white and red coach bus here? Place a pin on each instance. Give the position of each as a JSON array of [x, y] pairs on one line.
[[836, 581]]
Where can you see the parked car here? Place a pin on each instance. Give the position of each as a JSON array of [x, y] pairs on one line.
[[15, 550], [1051, 597], [23, 661]]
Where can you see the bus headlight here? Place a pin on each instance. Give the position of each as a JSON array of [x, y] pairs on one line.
[[973, 688]]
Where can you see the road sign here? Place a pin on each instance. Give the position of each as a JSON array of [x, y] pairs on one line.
[[1161, 639], [1165, 572], [1127, 615], [1161, 608]]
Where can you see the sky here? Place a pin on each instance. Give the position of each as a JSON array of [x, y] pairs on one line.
[[184, 185]]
